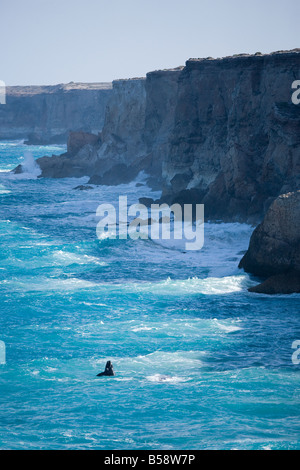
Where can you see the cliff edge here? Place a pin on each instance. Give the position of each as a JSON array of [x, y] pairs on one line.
[[46, 114]]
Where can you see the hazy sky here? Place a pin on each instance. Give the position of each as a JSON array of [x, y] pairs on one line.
[[58, 41]]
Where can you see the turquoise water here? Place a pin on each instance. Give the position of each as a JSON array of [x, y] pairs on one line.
[[200, 362]]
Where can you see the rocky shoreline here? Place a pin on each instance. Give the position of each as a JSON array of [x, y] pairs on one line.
[[221, 132]]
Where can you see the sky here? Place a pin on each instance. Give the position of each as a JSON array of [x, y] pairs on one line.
[[45, 42]]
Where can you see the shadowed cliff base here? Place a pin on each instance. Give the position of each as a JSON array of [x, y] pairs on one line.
[[288, 283]]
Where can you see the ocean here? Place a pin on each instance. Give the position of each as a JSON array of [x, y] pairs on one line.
[[200, 362]]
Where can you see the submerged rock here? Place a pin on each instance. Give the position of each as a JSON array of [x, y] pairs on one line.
[[274, 249], [82, 187]]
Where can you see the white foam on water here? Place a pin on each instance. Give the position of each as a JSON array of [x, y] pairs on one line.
[[14, 143], [48, 284], [66, 258], [159, 366], [207, 286], [178, 358], [229, 327], [91, 304], [123, 379], [143, 328], [160, 378], [29, 166], [3, 190]]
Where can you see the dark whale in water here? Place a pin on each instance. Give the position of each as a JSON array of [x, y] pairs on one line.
[[109, 370]]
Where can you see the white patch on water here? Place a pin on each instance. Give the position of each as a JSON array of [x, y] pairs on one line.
[[143, 328], [14, 143], [179, 357], [29, 166], [3, 190], [65, 258], [48, 284], [228, 328], [160, 378], [94, 304], [123, 379], [207, 286]]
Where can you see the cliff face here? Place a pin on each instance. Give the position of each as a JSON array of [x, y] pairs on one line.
[[223, 132], [161, 100], [47, 114], [236, 135], [123, 145], [138, 121], [117, 154], [274, 250]]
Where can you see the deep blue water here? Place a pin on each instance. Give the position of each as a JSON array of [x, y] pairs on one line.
[[200, 362]]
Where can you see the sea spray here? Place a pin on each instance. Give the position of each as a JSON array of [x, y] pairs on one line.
[[29, 165]]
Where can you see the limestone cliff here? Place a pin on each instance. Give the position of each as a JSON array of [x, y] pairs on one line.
[[236, 135], [120, 157], [161, 100], [223, 132], [46, 114], [138, 121]]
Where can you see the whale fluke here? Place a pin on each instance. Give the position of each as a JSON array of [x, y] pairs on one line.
[[109, 370]]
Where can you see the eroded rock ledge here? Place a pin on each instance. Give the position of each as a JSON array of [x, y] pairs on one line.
[[274, 250]]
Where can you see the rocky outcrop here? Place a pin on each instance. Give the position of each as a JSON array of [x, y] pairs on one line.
[[77, 161], [47, 114], [134, 138], [118, 153], [77, 140], [274, 250]]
